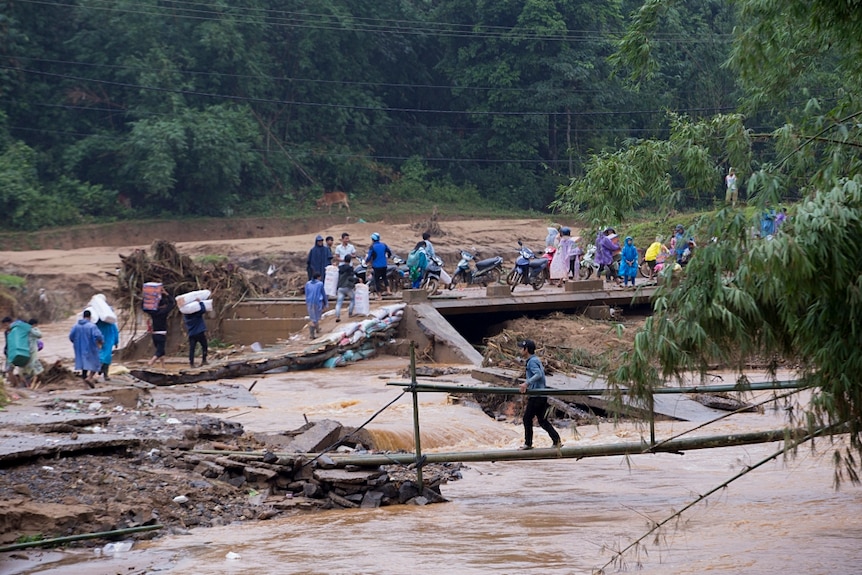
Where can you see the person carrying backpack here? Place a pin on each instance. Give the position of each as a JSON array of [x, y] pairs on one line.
[[346, 283], [417, 261]]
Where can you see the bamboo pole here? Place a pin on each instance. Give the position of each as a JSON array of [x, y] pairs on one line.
[[417, 442], [575, 452], [432, 387], [81, 537]]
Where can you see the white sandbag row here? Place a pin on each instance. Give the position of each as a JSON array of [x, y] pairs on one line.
[[195, 306], [388, 310], [192, 296]]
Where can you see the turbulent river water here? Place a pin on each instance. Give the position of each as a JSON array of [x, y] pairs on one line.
[[550, 517]]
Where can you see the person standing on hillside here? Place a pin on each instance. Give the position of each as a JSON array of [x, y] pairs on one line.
[[345, 248], [378, 257], [196, 328], [87, 341], [159, 327], [537, 405], [318, 258], [315, 302], [732, 193]]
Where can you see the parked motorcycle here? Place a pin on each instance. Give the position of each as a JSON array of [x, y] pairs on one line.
[[482, 272], [435, 276], [396, 272], [529, 269], [588, 264]]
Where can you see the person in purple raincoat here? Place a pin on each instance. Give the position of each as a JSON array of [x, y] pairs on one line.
[[605, 248]]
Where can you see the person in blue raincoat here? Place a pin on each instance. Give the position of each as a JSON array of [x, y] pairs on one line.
[[87, 340], [629, 262], [111, 336], [315, 301]]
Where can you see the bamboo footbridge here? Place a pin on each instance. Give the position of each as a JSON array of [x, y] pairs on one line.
[[676, 444]]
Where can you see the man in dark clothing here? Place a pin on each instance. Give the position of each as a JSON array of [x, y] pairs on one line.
[[346, 285], [197, 330], [537, 405], [319, 257], [159, 327]]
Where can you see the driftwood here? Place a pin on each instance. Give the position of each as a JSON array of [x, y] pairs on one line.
[[723, 402], [309, 358]]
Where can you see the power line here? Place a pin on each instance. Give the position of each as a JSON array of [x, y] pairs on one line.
[[352, 106], [292, 79], [307, 20]]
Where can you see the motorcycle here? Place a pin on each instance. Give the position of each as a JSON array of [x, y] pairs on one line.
[[482, 272], [590, 267], [529, 269], [588, 264], [396, 272], [435, 276]]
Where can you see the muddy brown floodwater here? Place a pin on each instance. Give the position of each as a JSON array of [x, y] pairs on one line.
[[548, 517]]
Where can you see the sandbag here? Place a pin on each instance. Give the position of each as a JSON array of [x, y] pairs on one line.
[[18, 343], [330, 282], [195, 306], [152, 295], [94, 316], [192, 296], [362, 305], [100, 305]]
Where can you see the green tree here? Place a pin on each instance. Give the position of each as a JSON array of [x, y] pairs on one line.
[[797, 295]]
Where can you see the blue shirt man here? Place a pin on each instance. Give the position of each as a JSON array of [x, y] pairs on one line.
[[537, 405]]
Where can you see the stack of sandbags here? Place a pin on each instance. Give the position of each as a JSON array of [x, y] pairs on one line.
[[190, 302], [152, 295]]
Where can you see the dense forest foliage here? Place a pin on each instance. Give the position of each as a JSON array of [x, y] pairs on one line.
[[114, 108]]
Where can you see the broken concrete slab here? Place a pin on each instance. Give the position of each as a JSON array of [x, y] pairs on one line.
[[20, 446], [347, 477], [321, 435], [434, 329], [203, 397]]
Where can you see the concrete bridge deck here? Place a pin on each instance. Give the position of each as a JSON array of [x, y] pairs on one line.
[[476, 301]]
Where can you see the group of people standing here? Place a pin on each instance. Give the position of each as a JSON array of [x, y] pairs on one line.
[[610, 255], [324, 253]]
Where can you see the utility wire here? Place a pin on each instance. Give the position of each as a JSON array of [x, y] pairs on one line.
[[352, 23], [349, 106]]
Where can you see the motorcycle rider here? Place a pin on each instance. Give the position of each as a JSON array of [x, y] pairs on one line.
[[378, 256]]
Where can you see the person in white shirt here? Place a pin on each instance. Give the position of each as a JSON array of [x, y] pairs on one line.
[[345, 248]]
